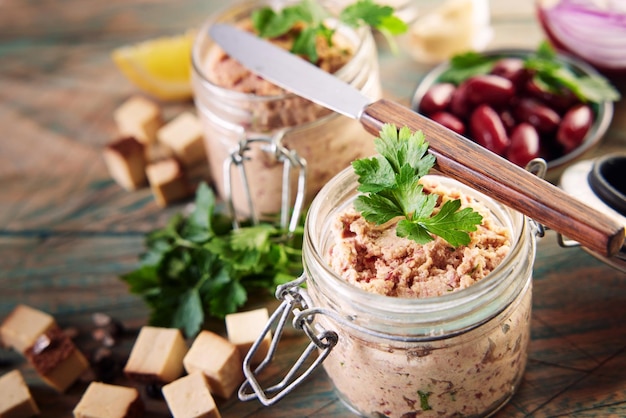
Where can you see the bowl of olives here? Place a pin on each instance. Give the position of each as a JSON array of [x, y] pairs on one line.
[[520, 104]]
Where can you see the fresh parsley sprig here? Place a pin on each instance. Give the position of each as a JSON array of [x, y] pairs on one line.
[[310, 17], [198, 267], [390, 186], [550, 72]]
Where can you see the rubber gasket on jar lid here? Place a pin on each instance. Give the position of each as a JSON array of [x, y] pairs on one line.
[[607, 179]]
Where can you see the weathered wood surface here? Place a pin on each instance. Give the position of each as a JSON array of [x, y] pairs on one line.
[[67, 231]]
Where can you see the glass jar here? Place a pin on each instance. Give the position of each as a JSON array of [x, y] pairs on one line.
[[460, 354], [259, 146]]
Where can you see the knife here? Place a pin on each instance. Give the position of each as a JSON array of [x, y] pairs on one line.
[[456, 156]]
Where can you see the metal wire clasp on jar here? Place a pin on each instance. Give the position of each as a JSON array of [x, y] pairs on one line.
[[460, 354], [256, 133]]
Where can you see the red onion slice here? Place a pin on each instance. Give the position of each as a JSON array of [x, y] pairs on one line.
[[584, 28]]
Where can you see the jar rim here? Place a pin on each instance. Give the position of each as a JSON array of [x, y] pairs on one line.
[[516, 223]]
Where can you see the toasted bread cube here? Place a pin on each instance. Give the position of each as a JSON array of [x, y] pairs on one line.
[[157, 355], [126, 162], [140, 118], [23, 326], [218, 359], [102, 400], [243, 329], [56, 359], [16, 400], [183, 135], [190, 397], [157, 152], [168, 181]]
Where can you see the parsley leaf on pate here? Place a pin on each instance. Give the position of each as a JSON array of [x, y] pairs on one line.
[[390, 186], [310, 16], [198, 267]]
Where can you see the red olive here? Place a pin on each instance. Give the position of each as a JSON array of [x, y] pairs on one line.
[[543, 118], [459, 105], [437, 98], [487, 129], [512, 69], [449, 121], [489, 89], [507, 119], [574, 127], [559, 101], [516, 97], [524, 144]]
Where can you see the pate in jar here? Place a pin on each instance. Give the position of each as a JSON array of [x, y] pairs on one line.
[[259, 138], [407, 330]]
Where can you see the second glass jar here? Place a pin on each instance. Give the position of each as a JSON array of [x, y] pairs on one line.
[[250, 131]]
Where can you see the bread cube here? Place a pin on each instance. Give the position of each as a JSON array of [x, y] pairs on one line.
[[218, 359], [102, 400], [157, 355], [168, 182], [243, 329], [183, 135], [16, 400], [125, 159], [140, 118], [190, 397], [23, 326], [157, 152], [56, 359]]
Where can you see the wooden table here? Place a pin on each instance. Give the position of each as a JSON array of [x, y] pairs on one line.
[[67, 231]]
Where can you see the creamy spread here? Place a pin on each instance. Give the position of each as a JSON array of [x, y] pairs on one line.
[[469, 374], [375, 259]]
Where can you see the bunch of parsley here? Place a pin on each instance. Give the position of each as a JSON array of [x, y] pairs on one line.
[[549, 72], [310, 17], [198, 266]]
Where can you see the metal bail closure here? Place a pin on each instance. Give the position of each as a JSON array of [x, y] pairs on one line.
[[291, 161], [295, 300]]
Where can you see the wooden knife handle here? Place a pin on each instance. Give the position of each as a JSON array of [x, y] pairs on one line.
[[475, 166]]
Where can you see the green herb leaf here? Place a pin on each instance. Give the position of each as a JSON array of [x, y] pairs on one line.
[[377, 209], [309, 17], [228, 298], [197, 266], [555, 76], [305, 44], [189, 315], [452, 224], [198, 228], [375, 174], [271, 24], [390, 183], [365, 12], [424, 400], [466, 65]]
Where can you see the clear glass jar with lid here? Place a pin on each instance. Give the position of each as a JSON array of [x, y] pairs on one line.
[[459, 354], [259, 144]]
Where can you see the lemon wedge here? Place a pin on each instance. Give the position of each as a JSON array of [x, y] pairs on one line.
[[160, 67]]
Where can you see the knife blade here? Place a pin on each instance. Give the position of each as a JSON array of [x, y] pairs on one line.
[[456, 156]]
